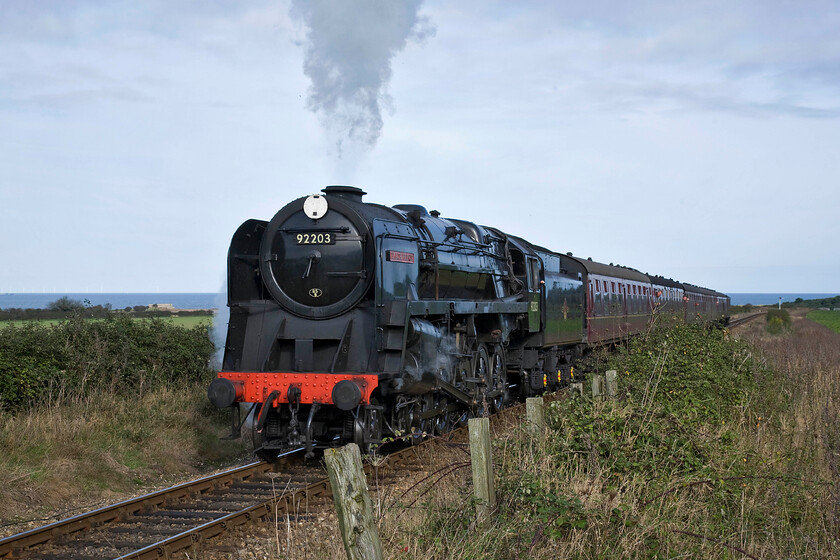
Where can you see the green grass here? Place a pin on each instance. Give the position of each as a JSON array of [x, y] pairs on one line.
[[830, 319]]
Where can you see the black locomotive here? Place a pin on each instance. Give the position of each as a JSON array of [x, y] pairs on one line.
[[351, 320]]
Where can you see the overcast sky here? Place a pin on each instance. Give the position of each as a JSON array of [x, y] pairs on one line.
[[696, 140]]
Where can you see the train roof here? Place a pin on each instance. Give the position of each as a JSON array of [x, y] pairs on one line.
[[594, 267], [667, 282], [704, 291]]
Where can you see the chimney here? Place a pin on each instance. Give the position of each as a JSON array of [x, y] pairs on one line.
[[352, 194]]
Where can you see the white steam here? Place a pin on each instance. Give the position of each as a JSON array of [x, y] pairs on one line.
[[349, 48], [220, 326]]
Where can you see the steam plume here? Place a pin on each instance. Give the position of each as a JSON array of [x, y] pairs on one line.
[[349, 47]]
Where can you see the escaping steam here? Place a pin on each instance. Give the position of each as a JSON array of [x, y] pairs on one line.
[[349, 47]]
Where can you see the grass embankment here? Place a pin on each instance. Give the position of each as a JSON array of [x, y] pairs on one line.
[[713, 449], [106, 446], [830, 319], [97, 409]]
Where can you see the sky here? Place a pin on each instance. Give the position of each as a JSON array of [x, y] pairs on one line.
[[699, 141]]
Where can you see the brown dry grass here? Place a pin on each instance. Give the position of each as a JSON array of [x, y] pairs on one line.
[[104, 448]]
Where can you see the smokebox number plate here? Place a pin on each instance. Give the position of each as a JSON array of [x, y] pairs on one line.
[[315, 238]]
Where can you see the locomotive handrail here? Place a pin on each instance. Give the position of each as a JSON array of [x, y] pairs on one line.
[[342, 229]]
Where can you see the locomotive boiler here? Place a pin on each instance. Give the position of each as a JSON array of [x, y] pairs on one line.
[[350, 321]]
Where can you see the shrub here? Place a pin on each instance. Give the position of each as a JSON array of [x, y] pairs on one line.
[[77, 357], [778, 320], [66, 305]]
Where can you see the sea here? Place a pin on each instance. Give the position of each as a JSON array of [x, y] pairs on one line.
[[772, 298], [216, 300], [117, 301]]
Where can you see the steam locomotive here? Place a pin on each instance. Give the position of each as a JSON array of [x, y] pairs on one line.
[[350, 321]]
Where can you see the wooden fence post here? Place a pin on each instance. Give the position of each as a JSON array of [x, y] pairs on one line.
[[576, 387], [481, 457], [534, 415], [352, 503], [597, 386], [612, 383]]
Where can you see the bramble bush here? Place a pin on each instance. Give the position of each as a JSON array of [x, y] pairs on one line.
[[77, 357], [778, 320]]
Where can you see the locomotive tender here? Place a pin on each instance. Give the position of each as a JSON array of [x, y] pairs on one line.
[[350, 321]]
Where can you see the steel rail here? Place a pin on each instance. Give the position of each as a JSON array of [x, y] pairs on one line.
[[13, 545], [742, 320], [190, 537]]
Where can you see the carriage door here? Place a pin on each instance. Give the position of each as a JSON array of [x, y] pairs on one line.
[[535, 294], [624, 287]]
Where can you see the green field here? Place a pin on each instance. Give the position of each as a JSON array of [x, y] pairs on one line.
[[830, 319], [187, 322]]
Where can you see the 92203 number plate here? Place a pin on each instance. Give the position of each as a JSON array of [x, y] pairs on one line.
[[315, 238]]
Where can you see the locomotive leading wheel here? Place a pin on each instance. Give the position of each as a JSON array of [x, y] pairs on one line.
[[267, 436], [367, 429]]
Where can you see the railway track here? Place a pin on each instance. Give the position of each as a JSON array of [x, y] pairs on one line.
[[159, 524], [742, 320], [188, 515]]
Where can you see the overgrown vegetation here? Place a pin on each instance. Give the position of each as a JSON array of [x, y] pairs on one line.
[[63, 362], [710, 451], [778, 320]]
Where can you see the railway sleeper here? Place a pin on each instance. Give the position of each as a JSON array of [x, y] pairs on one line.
[[167, 520], [164, 531], [184, 514]]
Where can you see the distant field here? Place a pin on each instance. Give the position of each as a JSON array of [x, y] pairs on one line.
[[830, 319], [186, 322]]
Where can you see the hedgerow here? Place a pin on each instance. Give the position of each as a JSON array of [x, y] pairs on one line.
[[74, 358]]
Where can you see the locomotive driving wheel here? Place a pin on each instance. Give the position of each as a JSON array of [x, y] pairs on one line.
[[498, 386], [441, 422], [408, 421], [481, 380]]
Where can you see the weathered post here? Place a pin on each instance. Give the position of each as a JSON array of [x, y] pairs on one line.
[[534, 415], [576, 388], [482, 468], [597, 386], [612, 383], [352, 503]]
